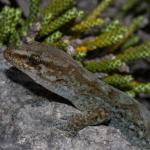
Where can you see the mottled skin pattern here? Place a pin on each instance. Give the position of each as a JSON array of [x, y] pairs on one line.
[[100, 103]]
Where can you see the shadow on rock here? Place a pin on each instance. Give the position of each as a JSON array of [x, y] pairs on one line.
[[20, 78]]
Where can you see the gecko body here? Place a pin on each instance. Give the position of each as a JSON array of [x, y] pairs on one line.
[[100, 103]]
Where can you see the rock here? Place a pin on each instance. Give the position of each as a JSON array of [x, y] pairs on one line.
[[28, 113]]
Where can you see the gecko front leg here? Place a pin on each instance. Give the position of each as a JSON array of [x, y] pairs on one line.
[[77, 122]]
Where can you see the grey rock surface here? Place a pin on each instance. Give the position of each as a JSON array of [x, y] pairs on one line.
[[28, 112]]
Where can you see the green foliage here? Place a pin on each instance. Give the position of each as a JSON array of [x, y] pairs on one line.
[[60, 21], [138, 88], [130, 29], [112, 35], [54, 37], [115, 63], [141, 88], [104, 65], [92, 20], [128, 84], [55, 13], [34, 9], [56, 7], [120, 81], [129, 5], [104, 40], [113, 25], [135, 53], [131, 42], [10, 21]]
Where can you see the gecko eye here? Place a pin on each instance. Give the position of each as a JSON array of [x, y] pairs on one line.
[[35, 59]]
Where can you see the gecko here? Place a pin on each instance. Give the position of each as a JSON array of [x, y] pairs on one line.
[[99, 102]]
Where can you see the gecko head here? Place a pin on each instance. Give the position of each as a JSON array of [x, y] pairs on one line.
[[40, 59], [23, 58]]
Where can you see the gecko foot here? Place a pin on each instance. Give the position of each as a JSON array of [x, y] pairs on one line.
[[77, 122]]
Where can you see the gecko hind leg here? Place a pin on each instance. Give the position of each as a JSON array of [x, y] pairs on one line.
[[79, 121]]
